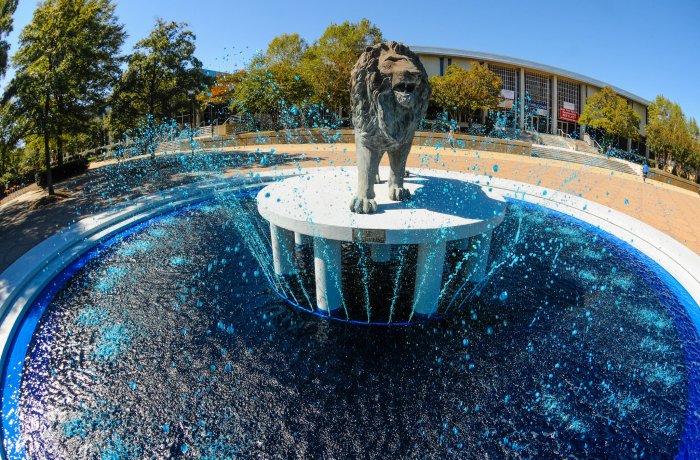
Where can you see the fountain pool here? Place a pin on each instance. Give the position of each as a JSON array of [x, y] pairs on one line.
[[161, 330]]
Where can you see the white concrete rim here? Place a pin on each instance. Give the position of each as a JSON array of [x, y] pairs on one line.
[[23, 281], [279, 205], [27, 276]]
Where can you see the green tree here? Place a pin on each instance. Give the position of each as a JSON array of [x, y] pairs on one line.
[[669, 134], [287, 50], [694, 160], [327, 64], [270, 91], [13, 127], [162, 78], [273, 83], [466, 91], [7, 10], [610, 113], [67, 60]]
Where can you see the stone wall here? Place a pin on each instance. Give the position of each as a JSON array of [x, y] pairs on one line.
[[668, 178], [347, 136]]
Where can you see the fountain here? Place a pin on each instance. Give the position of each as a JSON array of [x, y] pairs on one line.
[[551, 326], [442, 211]]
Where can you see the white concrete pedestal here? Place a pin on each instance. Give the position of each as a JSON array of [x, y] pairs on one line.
[[327, 267], [441, 210], [426, 294], [381, 252], [480, 248], [302, 240], [282, 250]]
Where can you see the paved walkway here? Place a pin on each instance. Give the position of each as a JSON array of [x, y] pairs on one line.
[[28, 219]]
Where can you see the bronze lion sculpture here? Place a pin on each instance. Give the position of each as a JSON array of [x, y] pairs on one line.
[[389, 93]]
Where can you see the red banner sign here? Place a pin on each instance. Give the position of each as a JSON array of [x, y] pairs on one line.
[[568, 115]]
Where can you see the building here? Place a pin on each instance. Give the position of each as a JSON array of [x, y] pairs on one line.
[[555, 97]]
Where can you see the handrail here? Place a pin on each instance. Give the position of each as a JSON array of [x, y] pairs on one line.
[[596, 145], [571, 144]]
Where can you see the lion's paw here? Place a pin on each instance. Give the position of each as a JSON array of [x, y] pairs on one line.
[[363, 205], [399, 194]]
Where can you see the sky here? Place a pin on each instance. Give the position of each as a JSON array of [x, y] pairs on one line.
[[646, 47]]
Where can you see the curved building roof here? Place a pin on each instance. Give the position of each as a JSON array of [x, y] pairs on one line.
[[478, 55]]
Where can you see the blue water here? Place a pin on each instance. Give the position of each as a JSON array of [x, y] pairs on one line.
[[172, 340]]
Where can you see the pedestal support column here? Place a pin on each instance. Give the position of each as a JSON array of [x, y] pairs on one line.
[[301, 239], [381, 252], [479, 258], [431, 258], [327, 266], [282, 250]]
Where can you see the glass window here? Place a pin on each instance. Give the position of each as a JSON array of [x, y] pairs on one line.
[[570, 92], [537, 88], [508, 76]]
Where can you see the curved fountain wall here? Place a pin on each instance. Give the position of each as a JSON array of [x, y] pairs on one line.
[[21, 283]]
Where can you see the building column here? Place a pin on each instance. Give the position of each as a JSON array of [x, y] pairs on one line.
[[521, 90], [629, 144], [582, 103], [555, 109]]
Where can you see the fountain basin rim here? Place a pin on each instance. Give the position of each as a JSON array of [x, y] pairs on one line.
[[24, 280]]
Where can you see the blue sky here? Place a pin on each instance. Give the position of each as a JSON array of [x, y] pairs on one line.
[[646, 47]]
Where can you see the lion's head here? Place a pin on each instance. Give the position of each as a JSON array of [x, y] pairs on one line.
[[389, 92]]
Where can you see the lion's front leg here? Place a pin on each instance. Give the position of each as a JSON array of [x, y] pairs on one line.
[[363, 202], [397, 160]]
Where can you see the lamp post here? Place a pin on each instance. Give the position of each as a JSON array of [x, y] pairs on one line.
[[211, 117], [190, 93]]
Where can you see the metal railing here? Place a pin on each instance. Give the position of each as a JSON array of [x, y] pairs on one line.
[[567, 138]]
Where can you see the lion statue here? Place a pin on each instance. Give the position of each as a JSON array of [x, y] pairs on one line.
[[389, 93]]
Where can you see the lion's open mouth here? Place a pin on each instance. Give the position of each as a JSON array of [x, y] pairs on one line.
[[404, 92]]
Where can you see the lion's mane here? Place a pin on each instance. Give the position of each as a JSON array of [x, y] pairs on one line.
[[371, 97]]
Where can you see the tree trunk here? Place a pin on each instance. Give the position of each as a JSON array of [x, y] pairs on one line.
[[59, 146], [59, 132], [47, 151]]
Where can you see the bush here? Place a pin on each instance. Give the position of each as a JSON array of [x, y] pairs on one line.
[[58, 173], [10, 179]]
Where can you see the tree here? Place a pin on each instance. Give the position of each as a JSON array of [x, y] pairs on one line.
[[328, 62], [162, 78], [221, 92], [466, 91], [67, 60], [13, 127], [610, 113], [287, 50], [669, 134], [7, 10], [270, 91]]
